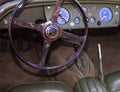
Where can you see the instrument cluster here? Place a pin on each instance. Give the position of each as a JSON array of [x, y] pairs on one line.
[[97, 16]]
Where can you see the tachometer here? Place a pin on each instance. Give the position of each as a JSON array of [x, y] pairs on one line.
[[63, 17], [105, 14]]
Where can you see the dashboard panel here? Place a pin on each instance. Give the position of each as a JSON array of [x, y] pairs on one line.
[[99, 15]]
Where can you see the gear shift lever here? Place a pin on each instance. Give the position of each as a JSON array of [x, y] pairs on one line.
[[100, 63]]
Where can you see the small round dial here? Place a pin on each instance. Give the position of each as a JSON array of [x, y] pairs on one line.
[[105, 14], [85, 9], [63, 17], [92, 20], [76, 20]]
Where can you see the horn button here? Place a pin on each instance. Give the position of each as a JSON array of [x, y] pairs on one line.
[[52, 32]]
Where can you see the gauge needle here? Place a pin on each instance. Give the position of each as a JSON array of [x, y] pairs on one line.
[[62, 17], [104, 17]]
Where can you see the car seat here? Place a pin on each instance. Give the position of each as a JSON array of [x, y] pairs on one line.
[[49, 86], [90, 84], [112, 80]]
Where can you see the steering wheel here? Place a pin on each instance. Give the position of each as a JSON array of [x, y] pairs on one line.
[[50, 31]]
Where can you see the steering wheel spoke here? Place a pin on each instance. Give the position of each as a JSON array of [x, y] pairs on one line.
[[44, 52], [29, 25], [56, 11], [70, 36]]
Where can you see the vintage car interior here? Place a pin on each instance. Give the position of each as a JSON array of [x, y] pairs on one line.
[[59, 46]]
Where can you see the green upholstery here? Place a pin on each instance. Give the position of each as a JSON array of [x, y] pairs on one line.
[[42, 87], [90, 84], [113, 81]]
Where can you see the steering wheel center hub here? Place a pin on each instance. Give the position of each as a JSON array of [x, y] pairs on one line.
[[52, 32]]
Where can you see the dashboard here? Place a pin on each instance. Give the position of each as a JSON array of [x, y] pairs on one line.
[[99, 15]]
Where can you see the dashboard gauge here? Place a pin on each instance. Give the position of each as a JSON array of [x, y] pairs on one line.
[[105, 14], [92, 20], [63, 17], [76, 20], [85, 9]]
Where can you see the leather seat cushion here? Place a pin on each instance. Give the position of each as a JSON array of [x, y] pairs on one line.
[[41, 87], [90, 84], [113, 81]]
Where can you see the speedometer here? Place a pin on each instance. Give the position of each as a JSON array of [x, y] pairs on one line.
[[105, 14], [63, 17]]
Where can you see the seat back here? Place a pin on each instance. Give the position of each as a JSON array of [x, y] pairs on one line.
[[112, 80], [41, 87], [90, 84]]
